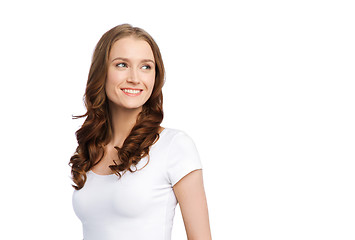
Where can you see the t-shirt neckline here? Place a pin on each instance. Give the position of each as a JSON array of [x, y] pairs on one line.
[[113, 174]]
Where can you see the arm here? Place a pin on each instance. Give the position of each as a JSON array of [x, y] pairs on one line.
[[190, 194]]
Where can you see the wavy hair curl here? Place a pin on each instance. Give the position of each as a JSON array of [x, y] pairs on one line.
[[96, 131]]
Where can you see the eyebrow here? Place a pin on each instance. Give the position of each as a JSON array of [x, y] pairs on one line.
[[127, 60]]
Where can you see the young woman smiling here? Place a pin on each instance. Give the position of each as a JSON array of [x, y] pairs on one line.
[[128, 171]]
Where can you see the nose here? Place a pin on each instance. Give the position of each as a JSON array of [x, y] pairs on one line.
[[133, 76]]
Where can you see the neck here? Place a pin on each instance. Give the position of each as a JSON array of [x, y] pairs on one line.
[[123, 120]]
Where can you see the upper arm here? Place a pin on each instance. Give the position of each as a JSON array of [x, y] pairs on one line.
[[190, 194]]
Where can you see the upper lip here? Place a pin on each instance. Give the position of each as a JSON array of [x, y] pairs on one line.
[[133, 89]]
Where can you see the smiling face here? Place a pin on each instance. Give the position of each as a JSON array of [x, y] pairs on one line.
[[130, 74]]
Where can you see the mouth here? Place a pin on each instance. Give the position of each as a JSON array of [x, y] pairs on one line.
[[131, 91]]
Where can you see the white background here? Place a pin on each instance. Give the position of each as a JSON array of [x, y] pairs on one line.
[[265, 88]]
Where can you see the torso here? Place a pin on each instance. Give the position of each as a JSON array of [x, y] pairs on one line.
[[141, 204]]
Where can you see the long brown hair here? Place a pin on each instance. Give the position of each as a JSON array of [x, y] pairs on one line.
[[96, 131]]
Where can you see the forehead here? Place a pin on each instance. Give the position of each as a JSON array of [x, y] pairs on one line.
[[131, 48]]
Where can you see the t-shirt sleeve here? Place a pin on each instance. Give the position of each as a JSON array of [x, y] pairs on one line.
[[182, 158]]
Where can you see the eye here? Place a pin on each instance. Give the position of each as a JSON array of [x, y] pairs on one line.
[[121, 65], [146, 67]]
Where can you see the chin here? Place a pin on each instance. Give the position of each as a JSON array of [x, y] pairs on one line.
[[129, 105], [133, 107]]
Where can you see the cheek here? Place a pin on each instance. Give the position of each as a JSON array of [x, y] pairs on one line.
[[150, 80], [114, 77], [113, 80], [151, 84]]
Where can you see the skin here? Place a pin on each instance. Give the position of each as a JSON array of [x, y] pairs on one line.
[[190, 193], [132, 65]]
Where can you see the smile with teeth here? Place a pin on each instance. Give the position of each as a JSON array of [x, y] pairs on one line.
[[131, 92]]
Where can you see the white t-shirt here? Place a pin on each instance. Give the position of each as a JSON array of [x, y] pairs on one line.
[[139, 205]]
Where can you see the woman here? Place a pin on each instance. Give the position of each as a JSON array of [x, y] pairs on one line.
[[129, 172]]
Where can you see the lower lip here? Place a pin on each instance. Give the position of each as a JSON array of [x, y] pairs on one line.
[[132, 94]]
